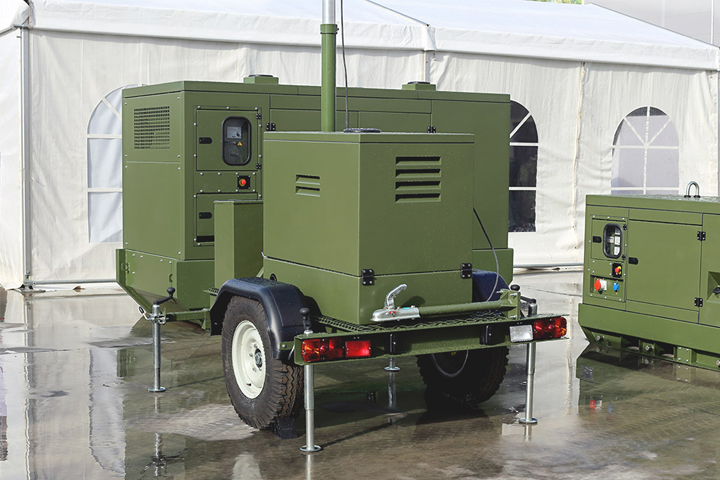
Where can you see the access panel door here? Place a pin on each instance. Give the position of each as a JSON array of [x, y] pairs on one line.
[[226, 139], [663, 261], [710, 271]]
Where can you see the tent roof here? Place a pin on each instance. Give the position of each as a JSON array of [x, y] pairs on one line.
[[494, 27]]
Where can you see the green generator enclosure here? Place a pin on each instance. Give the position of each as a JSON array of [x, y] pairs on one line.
[[350, 216], [190, 145], [652, 276]]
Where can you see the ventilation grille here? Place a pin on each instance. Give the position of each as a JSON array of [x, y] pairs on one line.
[[152, 128], [417, 179], [308, 185]]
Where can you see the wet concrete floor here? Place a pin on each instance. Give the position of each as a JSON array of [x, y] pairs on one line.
[[75, 367]]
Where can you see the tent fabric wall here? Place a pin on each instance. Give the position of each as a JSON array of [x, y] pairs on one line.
[[552, 99], [72, 73], [609, 93], [561, 62], [11, 226]]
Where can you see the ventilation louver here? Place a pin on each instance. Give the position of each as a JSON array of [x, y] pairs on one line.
[[417, 179], [152, 128]]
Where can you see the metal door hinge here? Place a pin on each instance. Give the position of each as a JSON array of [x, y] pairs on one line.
[[258, 166], [368, 276], [466, 270], [258, 116], [270, 127], [698, 302], [701, 236], [431, 129]]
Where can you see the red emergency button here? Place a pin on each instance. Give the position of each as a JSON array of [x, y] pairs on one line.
[[597, 285], [243, 182]]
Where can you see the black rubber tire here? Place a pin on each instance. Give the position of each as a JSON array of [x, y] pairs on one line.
[[281, 394], [469, 377]]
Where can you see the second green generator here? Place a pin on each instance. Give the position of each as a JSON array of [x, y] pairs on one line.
[[651, 278]]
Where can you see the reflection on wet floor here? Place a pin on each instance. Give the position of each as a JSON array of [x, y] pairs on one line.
[[75, 367]]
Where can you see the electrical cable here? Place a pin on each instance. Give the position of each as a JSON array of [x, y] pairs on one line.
[[342, 39], [497, 264]]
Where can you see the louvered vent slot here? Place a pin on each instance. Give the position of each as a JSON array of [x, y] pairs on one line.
[[308, 185], [152, 128], [417, 179]]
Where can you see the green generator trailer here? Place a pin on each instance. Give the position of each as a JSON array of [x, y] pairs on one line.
[[651, 281], [302, 247]]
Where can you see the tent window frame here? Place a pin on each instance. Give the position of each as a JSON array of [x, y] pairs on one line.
[[643, 141], [525, 128], [95, 190]]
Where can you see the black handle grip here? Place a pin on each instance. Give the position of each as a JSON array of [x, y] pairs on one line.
[[305, 313], [515, 287], [171, 292], [716, 290], [632, 260]]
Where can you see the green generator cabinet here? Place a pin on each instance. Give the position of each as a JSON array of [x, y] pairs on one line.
[[190, 145], [350, 216], [652, 276]]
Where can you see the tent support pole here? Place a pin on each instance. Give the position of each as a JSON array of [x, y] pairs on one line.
[[25, 155]]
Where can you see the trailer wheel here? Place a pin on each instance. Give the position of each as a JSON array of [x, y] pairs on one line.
[[261, 388], [468, 377]]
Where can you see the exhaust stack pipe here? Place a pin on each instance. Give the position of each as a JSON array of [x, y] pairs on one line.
[[328, 93]]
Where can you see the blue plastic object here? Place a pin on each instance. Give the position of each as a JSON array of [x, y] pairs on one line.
[[483, 282]]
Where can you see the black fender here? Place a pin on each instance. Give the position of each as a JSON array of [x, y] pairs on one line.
[[282, 303]]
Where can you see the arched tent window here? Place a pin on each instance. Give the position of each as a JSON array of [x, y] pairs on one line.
[[523, 169], [646, 154], [104, 163]]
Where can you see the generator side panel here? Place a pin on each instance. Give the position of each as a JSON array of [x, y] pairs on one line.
[[489, 121], [344, 297], [605, 266], [414, 199], [154, 175], [224, 159]]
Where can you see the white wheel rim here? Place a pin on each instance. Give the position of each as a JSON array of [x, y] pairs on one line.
[[248, 359]]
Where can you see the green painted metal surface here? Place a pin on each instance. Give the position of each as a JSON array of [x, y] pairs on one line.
[[173, 168], [427, 335], [328, 33], [670, 270], [238, 241], [146, 278]]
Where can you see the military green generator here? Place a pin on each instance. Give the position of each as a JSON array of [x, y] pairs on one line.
[[651, 279], [190, 146], [302, 247]]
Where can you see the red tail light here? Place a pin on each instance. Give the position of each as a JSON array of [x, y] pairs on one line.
[[357, 348], [317, 349], [321, 349], [549, 328]]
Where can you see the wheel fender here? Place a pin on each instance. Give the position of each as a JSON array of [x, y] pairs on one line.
[[281, 301]]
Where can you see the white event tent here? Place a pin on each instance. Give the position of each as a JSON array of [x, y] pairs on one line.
[[582, 74]]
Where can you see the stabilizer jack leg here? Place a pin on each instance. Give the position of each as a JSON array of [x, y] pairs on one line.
[[528, 418], [310, 446], [157, 318], [392, 367]]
